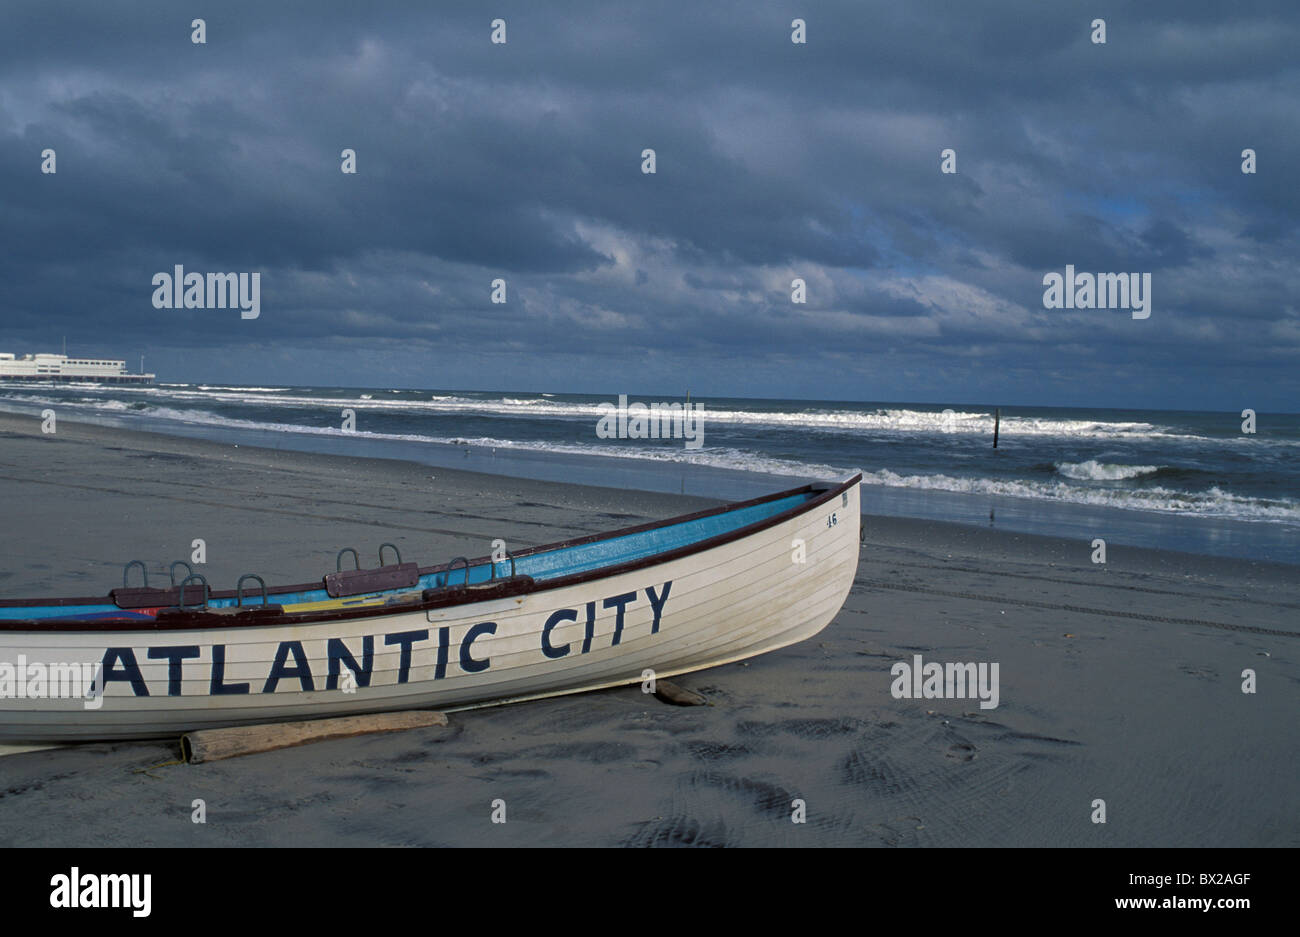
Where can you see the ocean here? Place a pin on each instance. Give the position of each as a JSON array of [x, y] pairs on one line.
[[1178, 480]]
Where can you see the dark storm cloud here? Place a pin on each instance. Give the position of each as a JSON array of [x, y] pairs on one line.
[[775, 161]]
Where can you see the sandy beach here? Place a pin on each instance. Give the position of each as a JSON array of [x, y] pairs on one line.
[[1120, 682]]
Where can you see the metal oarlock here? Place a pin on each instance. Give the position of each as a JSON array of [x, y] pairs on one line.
[[511, 557], [446, 581], [180, 598], [239, 589], [338, 561], [171, 571], [395, 550], [127, 570]]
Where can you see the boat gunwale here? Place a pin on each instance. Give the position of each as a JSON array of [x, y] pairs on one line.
[[201, 619]]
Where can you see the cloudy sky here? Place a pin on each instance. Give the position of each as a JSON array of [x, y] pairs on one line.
[[775, 160]]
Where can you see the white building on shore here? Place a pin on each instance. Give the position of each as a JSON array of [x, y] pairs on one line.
[[61, 368]]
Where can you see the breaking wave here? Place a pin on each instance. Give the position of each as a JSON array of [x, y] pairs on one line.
[[1092, 470]]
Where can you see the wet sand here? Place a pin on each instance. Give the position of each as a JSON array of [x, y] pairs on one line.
[[1119, 682]]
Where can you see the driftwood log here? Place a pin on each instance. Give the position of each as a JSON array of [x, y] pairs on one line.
[[215, 744], [667, 692]]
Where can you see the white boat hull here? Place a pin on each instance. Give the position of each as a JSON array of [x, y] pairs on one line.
[[725, 603]]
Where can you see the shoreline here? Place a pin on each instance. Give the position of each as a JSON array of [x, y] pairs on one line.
[[1221, 539], [1120, 682], [881, 531]]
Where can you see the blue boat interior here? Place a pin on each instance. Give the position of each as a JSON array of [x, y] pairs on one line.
[[541, 566]]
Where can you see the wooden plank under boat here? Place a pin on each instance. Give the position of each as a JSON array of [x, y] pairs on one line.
[[674, 596]]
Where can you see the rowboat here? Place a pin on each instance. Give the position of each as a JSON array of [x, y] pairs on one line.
[[658, 599]]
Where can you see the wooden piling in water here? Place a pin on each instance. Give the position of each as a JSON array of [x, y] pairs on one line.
[[997, 424]]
